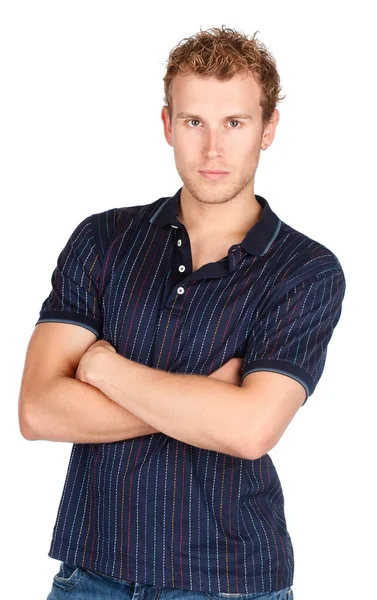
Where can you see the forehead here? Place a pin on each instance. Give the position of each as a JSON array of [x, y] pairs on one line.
[[193, 92]]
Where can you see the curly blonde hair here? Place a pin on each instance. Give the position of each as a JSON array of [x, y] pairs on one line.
[[224, 52]]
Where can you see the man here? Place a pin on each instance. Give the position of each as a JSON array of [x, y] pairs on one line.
[[170, 487]]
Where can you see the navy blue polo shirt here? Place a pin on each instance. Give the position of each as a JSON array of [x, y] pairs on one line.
[[153, 509]]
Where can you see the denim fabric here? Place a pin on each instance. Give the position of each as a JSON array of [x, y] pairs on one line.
[[77, 583]]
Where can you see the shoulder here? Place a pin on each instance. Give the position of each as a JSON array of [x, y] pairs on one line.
[[302, 257], [110, 224]]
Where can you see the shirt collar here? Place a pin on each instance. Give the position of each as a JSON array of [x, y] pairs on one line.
[[256, 242]]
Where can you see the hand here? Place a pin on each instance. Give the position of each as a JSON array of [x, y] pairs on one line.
[[102, 344], [91, 360], [230, 371]]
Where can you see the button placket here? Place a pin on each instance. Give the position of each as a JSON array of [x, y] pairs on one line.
[[181, 268]]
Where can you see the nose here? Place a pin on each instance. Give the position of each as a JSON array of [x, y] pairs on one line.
[[212, 149]]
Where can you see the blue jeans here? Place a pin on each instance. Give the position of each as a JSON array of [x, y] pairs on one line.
[[87, 585]]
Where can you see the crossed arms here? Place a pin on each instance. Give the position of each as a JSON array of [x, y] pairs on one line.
[[77, 390]]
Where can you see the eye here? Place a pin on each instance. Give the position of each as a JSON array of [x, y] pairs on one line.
[[234, 121], [190, 120]]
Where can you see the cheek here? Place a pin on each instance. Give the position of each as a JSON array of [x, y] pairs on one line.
[[185, 154], [248, 152], [184, 144]]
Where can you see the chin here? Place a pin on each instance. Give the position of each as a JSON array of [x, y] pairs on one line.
[[212, 194]]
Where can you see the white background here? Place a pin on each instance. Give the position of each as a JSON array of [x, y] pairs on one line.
[[81, 95]]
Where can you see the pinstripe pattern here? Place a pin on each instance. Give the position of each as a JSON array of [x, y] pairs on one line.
[[153, 509]]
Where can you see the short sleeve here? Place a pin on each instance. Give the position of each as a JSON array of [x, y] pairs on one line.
[[74, 296], [293, 336]]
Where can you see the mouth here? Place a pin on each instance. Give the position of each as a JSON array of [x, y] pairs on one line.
[[213, 174]]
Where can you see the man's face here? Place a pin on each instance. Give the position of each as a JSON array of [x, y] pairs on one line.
[[206, 133]]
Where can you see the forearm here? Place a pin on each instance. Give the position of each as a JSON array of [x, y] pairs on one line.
[[200, 411], [68, 410]]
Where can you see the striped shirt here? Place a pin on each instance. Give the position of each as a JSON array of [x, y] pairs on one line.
[[153, 509]]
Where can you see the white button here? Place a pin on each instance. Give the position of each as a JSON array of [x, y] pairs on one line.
[[180, 290], [181, 268], [179, 243]]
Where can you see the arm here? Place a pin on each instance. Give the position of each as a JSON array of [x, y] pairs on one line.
[[200, 411], [55, 406]]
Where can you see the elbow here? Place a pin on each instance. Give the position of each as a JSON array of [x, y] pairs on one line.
[[27, 434], [250, 446], [250, 452], [258, 453], [260, 448], [26, 431], [25, 421]]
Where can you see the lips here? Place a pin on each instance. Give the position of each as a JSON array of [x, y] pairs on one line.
[[215, 172]]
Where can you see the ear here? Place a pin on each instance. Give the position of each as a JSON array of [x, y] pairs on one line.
[[270, 129], [167, 125]]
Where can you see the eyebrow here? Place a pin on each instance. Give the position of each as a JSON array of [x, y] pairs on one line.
[[184, 115]]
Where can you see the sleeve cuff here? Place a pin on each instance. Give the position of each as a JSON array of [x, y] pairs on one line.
[[285, 368], [56, 316]]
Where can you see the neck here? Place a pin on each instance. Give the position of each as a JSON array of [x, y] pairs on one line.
[[225, 215]]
